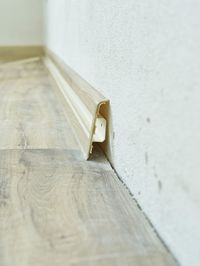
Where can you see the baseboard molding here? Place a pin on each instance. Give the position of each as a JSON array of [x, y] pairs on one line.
[[84, 105], [11, 53]]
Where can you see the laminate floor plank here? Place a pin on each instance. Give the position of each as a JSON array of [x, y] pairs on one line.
[[14, 70], [31, 115], [56, 209]]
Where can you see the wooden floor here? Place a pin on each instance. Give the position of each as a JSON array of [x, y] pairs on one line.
[[55, 208]]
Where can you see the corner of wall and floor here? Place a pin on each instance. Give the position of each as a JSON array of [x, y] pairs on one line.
[[145, 58]]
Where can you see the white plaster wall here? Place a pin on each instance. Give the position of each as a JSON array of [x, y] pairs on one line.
[[21, 22], [145, 57]]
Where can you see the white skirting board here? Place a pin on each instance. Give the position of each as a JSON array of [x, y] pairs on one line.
[[83, 104]]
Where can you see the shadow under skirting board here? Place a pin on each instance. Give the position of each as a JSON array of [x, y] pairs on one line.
[[84, 105]]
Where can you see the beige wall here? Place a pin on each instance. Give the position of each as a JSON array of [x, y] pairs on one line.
[[21, 22]]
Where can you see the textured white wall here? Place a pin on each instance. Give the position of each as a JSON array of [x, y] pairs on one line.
[[145, 57], [21, 22]]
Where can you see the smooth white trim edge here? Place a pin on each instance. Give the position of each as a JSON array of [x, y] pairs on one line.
[[83, 115]]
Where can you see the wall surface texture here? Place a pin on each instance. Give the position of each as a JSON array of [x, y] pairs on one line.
[[21, 22], [145, 57]]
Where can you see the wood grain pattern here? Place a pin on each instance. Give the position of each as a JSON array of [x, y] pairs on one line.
[[18, 70], [30, 114], [56, 209]]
